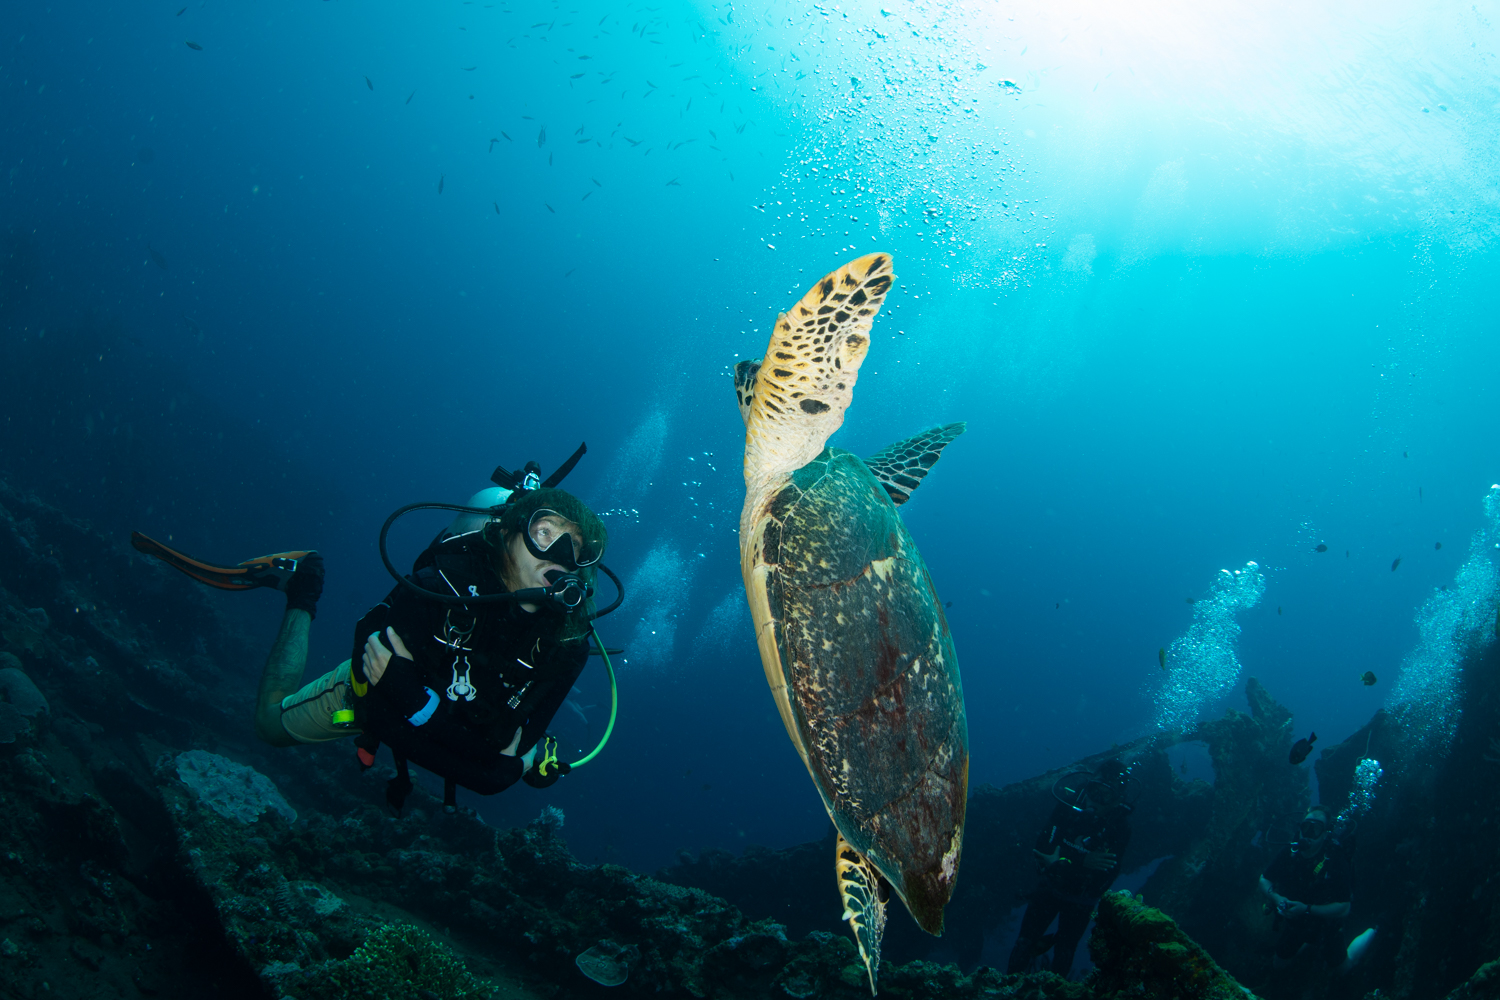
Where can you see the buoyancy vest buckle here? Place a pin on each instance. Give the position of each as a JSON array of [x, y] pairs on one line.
[[462, 687]]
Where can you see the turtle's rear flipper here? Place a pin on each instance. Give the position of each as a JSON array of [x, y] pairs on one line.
[[902, 466], [263, 571], [864, 893]]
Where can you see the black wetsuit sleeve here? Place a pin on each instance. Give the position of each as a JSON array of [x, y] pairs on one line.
[[569, 666], [1279, 871]]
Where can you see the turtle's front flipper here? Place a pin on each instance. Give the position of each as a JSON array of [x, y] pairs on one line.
[[864, 893], [902, 466]]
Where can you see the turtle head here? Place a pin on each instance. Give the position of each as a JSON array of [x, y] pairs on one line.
[[805, 382]]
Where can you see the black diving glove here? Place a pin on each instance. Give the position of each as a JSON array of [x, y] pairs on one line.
[[402, 688], [306, 585]]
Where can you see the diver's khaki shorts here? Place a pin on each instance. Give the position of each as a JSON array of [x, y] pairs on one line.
[[306, 715]]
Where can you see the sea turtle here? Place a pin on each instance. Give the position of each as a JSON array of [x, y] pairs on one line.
[[850, 628]]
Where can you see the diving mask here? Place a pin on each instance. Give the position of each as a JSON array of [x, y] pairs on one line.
[[553, 538], [1312, 829]]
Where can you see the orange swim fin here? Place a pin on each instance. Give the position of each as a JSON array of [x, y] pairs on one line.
[[271, 571]]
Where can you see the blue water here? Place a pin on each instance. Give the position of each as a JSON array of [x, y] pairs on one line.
[[1209, 287]]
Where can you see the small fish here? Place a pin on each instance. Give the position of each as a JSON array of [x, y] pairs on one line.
[[492, 145], [550, 208], [195, 46], [369, 84], [596, 182], [1161, 657], [497, 207], [1437, 546], [586, 196], [1394, 563], [506, 137], [1346, 553], [1278, 609], [1190, 600], [577, 76], [156, 257], [633, 142], [549, 159], [1058, 604], [470, 69], [441, 179], [673, 183], [1404, 455], [181, 12], [541, 137], [570, 272], [410, 96], [947, 604], [1368, 677], [1321, 547], [1301, 749]]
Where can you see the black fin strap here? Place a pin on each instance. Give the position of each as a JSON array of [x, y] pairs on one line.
[[399, 787], [562, 471]]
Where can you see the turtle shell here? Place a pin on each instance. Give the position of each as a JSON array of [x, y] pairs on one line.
[[871, 675]]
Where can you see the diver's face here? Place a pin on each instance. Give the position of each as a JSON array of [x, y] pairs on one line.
[[1313, 833], [529, 570]]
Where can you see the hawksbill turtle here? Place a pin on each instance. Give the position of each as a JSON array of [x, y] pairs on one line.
[[851, 632]]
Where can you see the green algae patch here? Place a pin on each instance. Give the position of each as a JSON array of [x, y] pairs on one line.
[[1141, 952], [396, 962]]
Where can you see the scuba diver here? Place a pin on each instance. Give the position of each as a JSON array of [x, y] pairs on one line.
[[1308, 884], [1080, 852], [464, 664]]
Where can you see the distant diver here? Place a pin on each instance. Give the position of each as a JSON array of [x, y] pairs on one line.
[[1301, 749], [464, 664], [1079, 850], [1308, 885]]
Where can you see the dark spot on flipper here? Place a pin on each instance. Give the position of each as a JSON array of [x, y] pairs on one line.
[[875, 265], [880, 285], [906, 481], [786, 357], [813, 406], [781, 373], [856, 341], [841, 317], [826, 287]]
